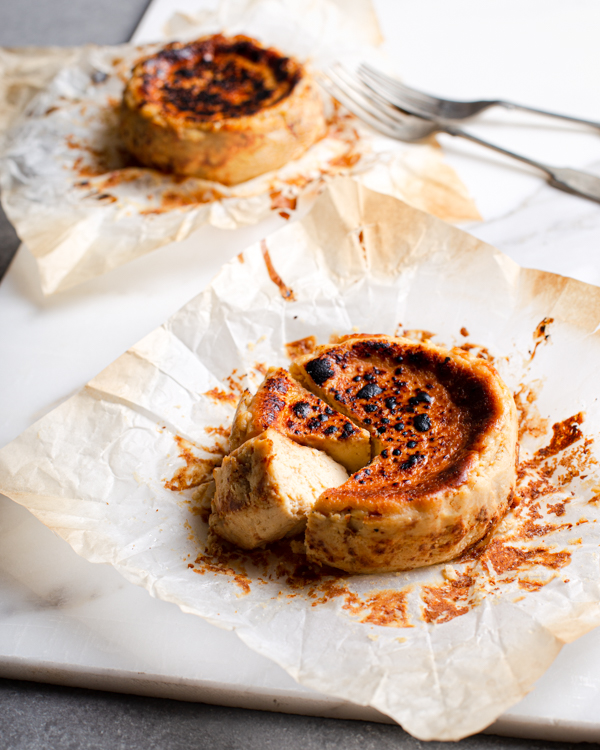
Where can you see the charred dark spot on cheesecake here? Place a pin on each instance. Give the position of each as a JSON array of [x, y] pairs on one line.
[[347, 430], [330, 430], [370, 390], [302, 409], [272, 406], [313, 424], [391, 403], [411, 444], [370, 408], [422, 423], [423, 398], [411, 461], [278, 384], [320, 370]]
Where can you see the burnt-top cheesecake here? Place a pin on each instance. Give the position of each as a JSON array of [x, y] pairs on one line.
[[438, 474], [444, 434], [221, 108]]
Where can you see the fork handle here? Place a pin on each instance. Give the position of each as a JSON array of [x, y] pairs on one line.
[[523, 108], [564, 178]]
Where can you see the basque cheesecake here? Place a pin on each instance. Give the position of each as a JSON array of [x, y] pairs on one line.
[[220, 108], [441, 467], [444, 436]]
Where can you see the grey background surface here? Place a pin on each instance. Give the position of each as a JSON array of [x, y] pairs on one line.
[[46, 717]]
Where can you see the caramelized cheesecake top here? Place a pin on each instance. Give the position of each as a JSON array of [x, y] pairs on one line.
[[427, 410], [214, 78]]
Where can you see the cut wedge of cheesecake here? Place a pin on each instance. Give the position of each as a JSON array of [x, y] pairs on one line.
[[283, 404], [444, 432], [266, 488]]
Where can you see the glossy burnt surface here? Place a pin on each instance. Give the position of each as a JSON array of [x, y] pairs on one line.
[[281, 403], [216, 78], [426, 410]]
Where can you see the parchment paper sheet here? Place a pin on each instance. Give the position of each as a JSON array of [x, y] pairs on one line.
[[82, 207], [94, 470]]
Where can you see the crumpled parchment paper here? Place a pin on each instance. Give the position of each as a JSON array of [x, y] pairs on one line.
[[83, 207], [442, 650]]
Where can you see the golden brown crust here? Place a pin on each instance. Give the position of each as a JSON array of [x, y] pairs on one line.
[[224, 109], [444, 431], [284, 405]]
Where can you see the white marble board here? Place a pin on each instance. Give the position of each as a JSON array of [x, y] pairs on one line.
[[66, 621]]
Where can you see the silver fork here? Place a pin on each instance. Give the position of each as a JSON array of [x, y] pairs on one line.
[[420, 103], [376, 111]]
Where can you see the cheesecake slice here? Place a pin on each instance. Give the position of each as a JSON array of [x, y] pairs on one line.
[[266, 488], [284, 405]]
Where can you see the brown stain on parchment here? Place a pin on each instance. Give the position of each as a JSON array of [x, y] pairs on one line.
[[279, 563], [286, 292], [530, 420], [230, 393], [182, 198], [280, 200], [444, 603], [415, 334], [220, 430], [207, 565], [564, 434], [505, 558], [511, 557], [360, 236], [346, 161], [476, 350], [388, 608], [196, 470], [299, 348], [540, 335], [226, 397], [260, 367]]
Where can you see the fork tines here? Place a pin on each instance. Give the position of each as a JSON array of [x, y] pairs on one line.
[[361, 100]]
